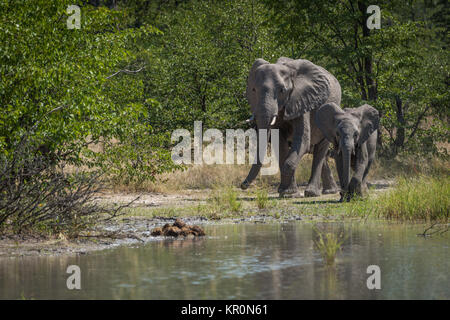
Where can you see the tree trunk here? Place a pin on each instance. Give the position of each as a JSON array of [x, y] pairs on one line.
[[399, 142]]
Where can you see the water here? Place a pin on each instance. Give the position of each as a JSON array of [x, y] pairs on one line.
[[245, 261]]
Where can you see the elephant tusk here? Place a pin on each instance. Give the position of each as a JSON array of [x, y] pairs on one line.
[[274, 119], [252, 118]]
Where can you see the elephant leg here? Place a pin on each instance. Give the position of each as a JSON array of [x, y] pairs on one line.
[[300, 146], [340, 169], [364, 178], [254, 170], [283, 151], [319, 154], [329, 185], [371, 148]]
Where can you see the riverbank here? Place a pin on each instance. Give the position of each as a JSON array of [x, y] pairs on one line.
[[423, 200], [150, 210]]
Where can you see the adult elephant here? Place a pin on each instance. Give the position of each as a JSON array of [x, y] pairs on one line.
[[285, 95]]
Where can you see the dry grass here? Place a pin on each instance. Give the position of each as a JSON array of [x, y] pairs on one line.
[[201, 177], [408, 166], [211, 176]]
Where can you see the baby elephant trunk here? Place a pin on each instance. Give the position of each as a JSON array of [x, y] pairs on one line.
[[346, 159]]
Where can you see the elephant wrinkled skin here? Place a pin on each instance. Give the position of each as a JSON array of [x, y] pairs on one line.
[[353, 133], [285, 96]]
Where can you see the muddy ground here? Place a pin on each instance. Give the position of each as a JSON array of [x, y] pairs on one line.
[[152, 210]]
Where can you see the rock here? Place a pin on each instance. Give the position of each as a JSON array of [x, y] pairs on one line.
[[157, 232], [179, 223], [179, 228], [197, 231], [185, 231], [172, 231]]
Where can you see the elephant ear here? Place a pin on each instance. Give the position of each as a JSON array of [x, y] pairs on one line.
[[369, 119], [326, 120], [250, 93], [311, 87]]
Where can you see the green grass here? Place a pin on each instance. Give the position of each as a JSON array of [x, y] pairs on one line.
[[328, 244], [423, 198], [262, 198], [226, 199]]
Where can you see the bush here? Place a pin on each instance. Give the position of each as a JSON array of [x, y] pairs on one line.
[[37, 195]]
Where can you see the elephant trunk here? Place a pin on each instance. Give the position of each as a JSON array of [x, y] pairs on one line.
[[262, 124], [346, 158]]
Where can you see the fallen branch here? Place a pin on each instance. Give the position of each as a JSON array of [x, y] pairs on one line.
[[439, 230]]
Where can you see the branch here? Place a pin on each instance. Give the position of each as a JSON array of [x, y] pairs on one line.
[[416, 125], [439, 230], [30, 131]]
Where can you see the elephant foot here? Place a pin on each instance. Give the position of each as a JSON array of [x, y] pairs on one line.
[[346, 196], [311, 192], [291, 191], [355, 188], [245, 185], [291, 195], [330, 191]]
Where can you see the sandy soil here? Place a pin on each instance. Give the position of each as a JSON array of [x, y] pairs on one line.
[[188, 197]]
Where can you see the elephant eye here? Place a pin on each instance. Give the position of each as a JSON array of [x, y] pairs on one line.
[[253, 89]]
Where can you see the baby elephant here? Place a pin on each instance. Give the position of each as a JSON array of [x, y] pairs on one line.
[[353, 133]]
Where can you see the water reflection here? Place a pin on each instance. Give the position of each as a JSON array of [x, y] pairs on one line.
[[245, 261]]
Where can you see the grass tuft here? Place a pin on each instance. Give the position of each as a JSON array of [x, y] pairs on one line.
[[227, 199], [262, 198], [328, 244]]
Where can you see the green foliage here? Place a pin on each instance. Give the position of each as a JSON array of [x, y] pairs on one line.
[[57, 85], [402, 69], [203, 61], [62, 91]]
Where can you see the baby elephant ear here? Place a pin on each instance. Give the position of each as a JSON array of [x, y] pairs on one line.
[[370, 121], [311, 88], [326, 121]]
